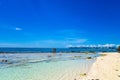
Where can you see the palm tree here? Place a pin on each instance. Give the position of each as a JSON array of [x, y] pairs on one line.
[[118, 49]]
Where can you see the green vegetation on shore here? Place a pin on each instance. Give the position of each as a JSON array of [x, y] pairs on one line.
[[118, 49]]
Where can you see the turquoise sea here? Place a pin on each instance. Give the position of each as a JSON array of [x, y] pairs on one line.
[[58, 50], [41, 66]]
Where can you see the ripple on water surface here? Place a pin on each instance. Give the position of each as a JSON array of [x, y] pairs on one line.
[[42, 67]]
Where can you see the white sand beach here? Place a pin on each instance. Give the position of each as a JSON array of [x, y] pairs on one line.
[[106, 67]]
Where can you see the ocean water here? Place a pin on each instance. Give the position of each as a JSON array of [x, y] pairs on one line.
[[34, 66], [63, 50]]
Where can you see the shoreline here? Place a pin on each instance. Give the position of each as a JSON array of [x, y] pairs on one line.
[[106, 67]]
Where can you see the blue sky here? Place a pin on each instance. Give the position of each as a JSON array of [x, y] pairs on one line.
[[58, 23]]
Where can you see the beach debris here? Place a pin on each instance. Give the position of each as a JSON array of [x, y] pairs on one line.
[[116, 70], [84, 74], [94, 52], [118, 75], [60, 54], [95, 79], [49, 56], [89, 57], [4, 60], [72, 58], [86, 52], [77, 56], [9, 62], [103, 54]]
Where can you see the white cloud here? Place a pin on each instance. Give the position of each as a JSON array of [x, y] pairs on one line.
[[18, 29], [99, 45], [9, 45], [80, 40], [69, 45], [59, 43]]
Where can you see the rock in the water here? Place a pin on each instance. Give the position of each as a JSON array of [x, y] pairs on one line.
[[4, 60]]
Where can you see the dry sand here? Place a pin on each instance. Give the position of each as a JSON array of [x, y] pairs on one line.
[[105, 68]]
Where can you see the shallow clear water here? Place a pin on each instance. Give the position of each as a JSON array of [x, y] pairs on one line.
[[45, 66]]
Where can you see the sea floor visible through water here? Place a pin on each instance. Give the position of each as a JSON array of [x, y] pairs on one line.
[[35, 66]]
